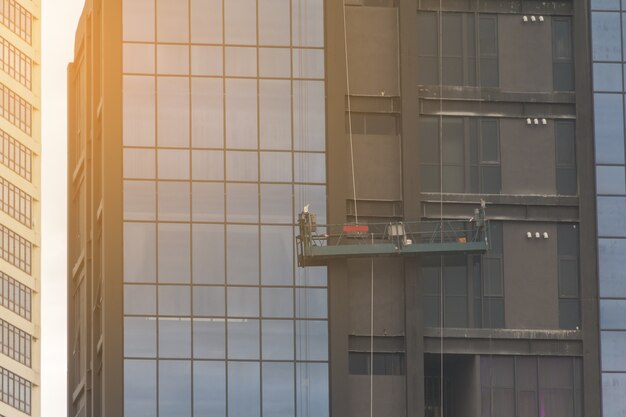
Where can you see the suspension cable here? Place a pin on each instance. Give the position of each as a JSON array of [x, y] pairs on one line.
[[345, 39]]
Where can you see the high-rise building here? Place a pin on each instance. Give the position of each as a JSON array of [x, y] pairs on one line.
[[199, 129], [20, 227]]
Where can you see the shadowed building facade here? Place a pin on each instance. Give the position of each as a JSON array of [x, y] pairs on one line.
[[20, 219], [199, 129]]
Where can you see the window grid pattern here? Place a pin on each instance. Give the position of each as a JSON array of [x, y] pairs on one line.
[[15, 156], [15, 296], [15, 202], [15, 391], [224, 144], [16, 63], [16, 343], [17, 19], [15, 109], [469, 161], [469, 49], [608, 28], [15, 249], [473, 287]]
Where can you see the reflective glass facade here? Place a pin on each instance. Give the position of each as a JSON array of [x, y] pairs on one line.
[[20, 147], [224, 143], [609, 55]]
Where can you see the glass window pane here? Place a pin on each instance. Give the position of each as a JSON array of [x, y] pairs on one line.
[[206, 21], [207, 165], [274, 62], [244, 389], [174, 389], [312, 389], [209, 389], [173, 111], [606, 36], [174, 253], [209, 338], [240, 21], [240, 61], [207, 201], [607, 77], [209, 301], [308, 63], [172, 21], [139, 163], [140, 387], [309, 167], [311, 340], [307, 18], [206, 60], [309, 123], [609, 128], [140, 299], [139, 114], [612, 216], [243, 254], [208, 254], [311, 303], [275, 114], [275, 167], [140, 337], [241, 112], [174, 201], [242, 202], [278, 389], [243, 302], [243, 339], [274, 22], [611, 267], [173, 59], [612, 346], [277, 302], [276, 203], [277, 339], [612, 313], [277, 245], [610, 180], [139, 200], [139, 252], [613, 398], [242, 166], [207, 113], [138, 58], [569, 314], [138, 22], [173, 164], [174, 338], [174, 300]]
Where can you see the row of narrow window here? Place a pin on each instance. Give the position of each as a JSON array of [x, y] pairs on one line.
[[16, 63], [15, 249], [15, 17], [15, 202], [15, 296], [15, 343], [15, 156], [16, 109], [15, 391]]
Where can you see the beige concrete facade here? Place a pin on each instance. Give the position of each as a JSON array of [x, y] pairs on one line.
[[20, 216]]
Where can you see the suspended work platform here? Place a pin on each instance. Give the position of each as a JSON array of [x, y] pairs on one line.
[[317, 244]]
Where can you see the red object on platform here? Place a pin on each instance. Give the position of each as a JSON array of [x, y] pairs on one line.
[[356, 229]]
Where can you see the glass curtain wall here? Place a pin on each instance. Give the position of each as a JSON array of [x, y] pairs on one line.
[[608, 28], [224, 143]]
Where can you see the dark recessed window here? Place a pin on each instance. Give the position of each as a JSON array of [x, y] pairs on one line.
[[469, 49], [383, 363]]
